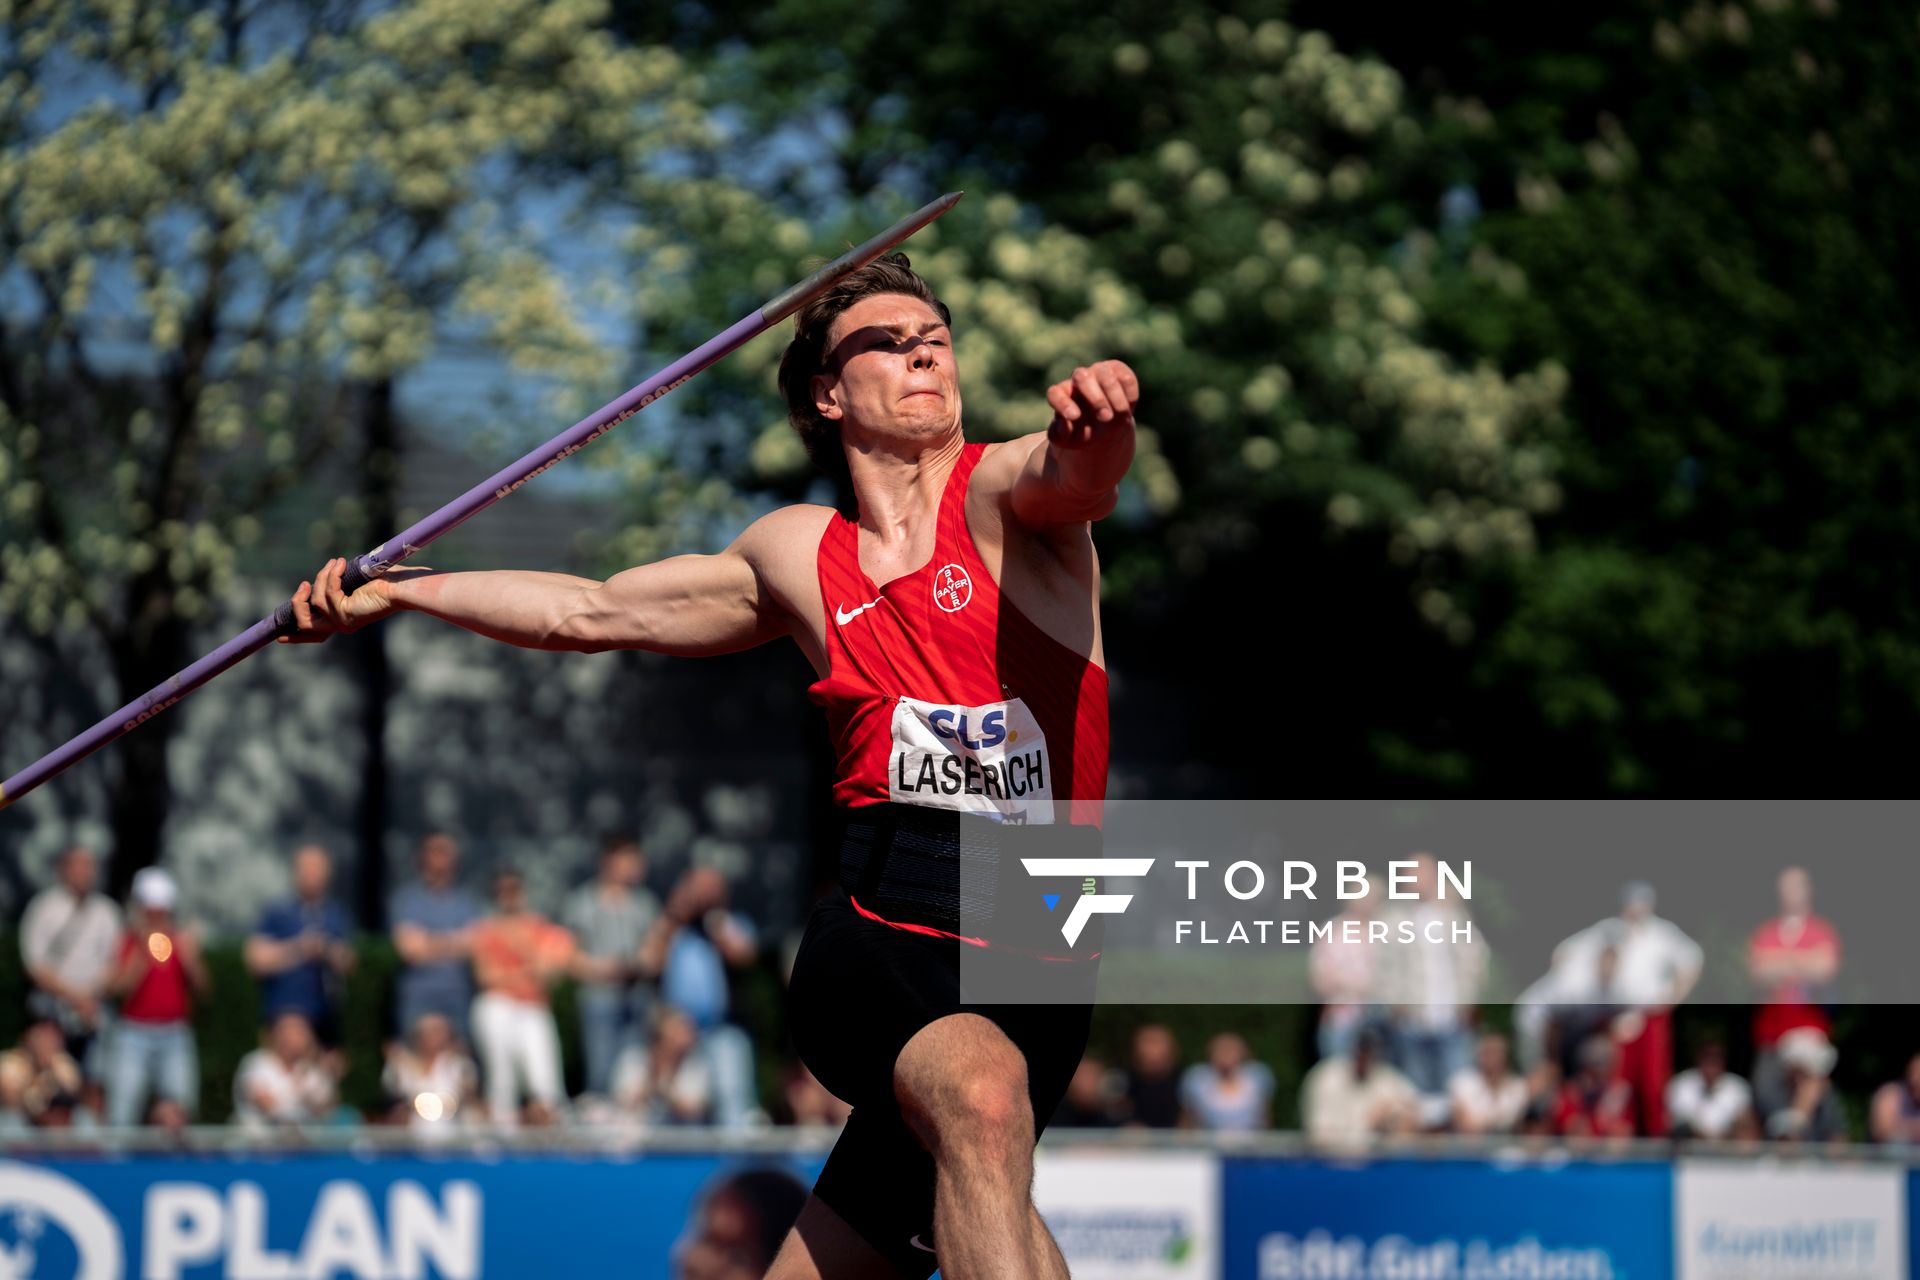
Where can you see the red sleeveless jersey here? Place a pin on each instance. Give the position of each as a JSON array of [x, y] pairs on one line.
[[940, 692]]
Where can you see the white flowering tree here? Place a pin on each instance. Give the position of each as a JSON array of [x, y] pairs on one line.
[[224, 233]]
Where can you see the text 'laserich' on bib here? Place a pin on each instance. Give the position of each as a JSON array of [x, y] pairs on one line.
[[989, 760]]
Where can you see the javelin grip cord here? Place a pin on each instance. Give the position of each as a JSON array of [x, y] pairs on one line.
[[362, 569]]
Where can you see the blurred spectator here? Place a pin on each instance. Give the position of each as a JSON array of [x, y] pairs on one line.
[[1587, 1009], [165, 1113], [1895, 1116], [1342, 968], [1229, 1092], [1708, 1101], [737, 1229], [1431, 986], [1347, 1102], [431, 919], [430, 1079], [1596, 1101], [40, 1082], [300, 951], [1488, 1097], [157, 970], [517, 956], [692, 946], [1800, 1106], [668, 1081], [1153, 1079], [1572, 978], [1090, 1101], [68, 937], [1789, 958], [1656, 966], [287, 1081], [808, 1104], [610, 917]]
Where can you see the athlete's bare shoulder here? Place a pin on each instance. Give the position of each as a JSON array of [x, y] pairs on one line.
[[1000, 466], [990, 497], [783, 546], [776, 531]]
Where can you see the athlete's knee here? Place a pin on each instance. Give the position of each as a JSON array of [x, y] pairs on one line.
[[964, 1091], [995, 1103], [984, 1120]]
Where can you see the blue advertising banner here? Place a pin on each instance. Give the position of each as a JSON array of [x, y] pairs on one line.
[[1913, 1222], [1446, 1220], [315, 1217]]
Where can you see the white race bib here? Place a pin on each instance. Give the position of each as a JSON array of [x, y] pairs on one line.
[[989, 760]]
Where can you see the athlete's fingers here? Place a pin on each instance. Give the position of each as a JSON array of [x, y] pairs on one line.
[[302, 609], [321, 612], [323, 600], [1060, 396], [1128, 381], [1086, 385], [1071, 434], [337, 591], [1111, 383]]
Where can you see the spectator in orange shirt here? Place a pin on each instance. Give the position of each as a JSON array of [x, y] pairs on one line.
[[518, 955]]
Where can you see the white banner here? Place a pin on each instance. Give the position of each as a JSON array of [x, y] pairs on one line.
[[1789, 1221], [1132, 1215]]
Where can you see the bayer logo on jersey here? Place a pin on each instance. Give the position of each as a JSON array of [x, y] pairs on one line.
[[952, 588], [989, 760]]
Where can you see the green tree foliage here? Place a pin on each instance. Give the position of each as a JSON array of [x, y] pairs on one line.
[[216, 222], [1213, 199], [1713, 208], [1632, 441], [1246, 213]]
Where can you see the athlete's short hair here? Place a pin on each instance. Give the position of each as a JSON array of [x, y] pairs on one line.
[[806, 355]]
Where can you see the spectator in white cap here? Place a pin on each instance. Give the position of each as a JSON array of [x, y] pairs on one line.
[[152, 1066], [1802, 1107]]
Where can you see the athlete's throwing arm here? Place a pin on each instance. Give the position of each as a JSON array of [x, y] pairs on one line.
[[763, 585]]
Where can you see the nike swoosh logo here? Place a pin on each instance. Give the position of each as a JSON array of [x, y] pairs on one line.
[[844, 615], [915, 1242]]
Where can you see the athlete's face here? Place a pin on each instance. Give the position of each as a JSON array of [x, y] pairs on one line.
[[890, 371]]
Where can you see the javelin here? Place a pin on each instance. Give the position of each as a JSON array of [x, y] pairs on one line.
[[473, 501]]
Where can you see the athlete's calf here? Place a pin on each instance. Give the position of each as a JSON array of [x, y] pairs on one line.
[[963, 1089]]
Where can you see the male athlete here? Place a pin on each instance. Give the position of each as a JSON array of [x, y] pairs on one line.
[[955, 627]]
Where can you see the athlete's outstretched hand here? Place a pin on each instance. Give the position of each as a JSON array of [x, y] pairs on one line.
[[321, 608], [1096, 401]]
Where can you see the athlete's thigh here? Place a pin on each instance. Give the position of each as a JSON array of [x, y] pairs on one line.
[[821, 1246]]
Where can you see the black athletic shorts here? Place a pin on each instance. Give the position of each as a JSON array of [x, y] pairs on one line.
[[862, 988]]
